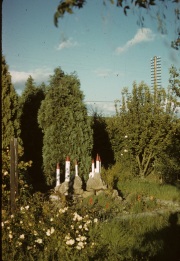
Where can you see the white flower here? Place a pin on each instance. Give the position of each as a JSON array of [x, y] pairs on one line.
[[86, 228], [63, 210], [48, 232], [77, 217], [35, 233], [67, 237], [51, 219], [2, 224], [70, 242], [12, 216], [80, 226], [10, 236], [77, 239], [83, 238], [72, 226], [125, 136], [21, 222], [26, 207], [78, 247], [95, 220], [22, 236], [125, 150], [21, 208], [39, 240], [52, 230], [81, 244], [5, 173]]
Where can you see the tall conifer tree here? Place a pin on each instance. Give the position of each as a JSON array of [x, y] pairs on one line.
[[66, 126], [10, 113]]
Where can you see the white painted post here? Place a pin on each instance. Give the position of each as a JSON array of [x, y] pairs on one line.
[[76, 168], [67, 169], [97, 164], [93, 169], [93, 166], [57, 175]]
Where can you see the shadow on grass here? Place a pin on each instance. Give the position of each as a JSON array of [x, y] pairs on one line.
[[164, 244]]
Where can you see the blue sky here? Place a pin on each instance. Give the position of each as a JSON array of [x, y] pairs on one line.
[[107, 49]]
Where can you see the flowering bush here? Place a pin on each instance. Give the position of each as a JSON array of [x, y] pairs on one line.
[[91, 230], [39, 232]]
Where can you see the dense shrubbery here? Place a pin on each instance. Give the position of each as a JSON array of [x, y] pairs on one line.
[[98, 228]]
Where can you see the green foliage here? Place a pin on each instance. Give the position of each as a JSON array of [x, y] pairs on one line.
[[175, 80], [66, 126], [31, 133], [144, 130], [10, 112]]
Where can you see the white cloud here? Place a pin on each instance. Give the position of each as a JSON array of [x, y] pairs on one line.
[[142, 35], [20, 77], [67, 43], [39, 75]]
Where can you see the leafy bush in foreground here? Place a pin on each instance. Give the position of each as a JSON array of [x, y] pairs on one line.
[[91, 230]]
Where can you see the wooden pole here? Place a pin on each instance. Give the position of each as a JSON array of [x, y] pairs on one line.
[[13, 173], [16, 166], [12, 177]]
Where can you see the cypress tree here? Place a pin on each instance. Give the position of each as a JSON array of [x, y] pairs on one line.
[[10, 113], [66, 126]]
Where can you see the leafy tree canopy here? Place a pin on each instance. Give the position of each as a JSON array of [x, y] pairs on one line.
[[175, 80], [144, 128], [67, 6]]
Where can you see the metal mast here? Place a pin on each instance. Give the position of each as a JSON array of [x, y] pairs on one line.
[[156, 72]]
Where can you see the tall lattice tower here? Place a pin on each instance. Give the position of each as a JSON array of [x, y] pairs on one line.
[[156, 72]]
